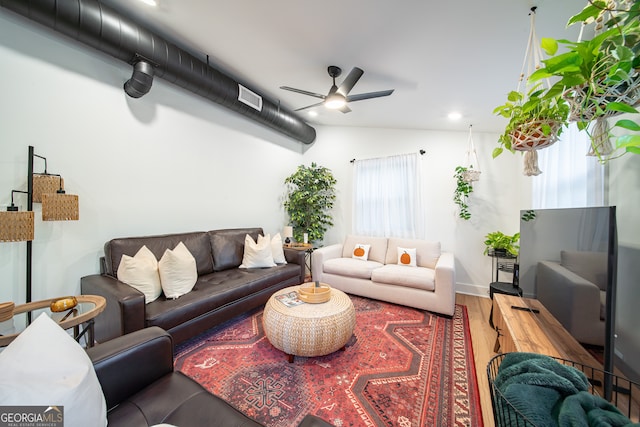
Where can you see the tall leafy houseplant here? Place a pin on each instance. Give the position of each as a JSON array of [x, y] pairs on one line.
[[310, 193]]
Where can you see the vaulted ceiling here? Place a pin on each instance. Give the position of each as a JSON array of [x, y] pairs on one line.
[[439, 56]]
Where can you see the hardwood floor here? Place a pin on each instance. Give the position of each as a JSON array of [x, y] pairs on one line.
[[483, 338]]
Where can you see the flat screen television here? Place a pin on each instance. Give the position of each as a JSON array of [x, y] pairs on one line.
[[568, 261]]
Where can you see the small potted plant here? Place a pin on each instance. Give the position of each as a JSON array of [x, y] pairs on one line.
[[500, 244], [535, 120]]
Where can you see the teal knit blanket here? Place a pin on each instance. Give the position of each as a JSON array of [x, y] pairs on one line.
[[550, 394]]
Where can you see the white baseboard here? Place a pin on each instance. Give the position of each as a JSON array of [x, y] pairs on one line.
[[475, 290]]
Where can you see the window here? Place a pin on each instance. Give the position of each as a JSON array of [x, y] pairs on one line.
[[569, 177], [387, 197]]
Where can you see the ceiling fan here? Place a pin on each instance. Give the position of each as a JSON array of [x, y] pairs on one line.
[[338, 96]]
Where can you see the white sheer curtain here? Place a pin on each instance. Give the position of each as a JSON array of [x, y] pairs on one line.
[[387, 197], [569, 177]]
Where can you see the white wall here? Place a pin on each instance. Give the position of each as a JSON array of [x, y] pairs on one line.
[[173, 162], [494, 204], [168, 162]]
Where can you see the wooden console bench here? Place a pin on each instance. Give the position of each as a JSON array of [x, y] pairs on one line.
[[527, 331]]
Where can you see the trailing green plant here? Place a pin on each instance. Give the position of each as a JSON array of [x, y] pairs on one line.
[[310, 193], [528, 215], [589, 73], [498, 240], [524, 111], [462, 191]]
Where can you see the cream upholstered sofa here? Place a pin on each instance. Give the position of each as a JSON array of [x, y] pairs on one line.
[[429, 285], [574, 291]]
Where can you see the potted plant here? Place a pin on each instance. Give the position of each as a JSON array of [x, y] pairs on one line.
[[462, 191], [310, 193], [501, 244], [535, 120], [599, 78]]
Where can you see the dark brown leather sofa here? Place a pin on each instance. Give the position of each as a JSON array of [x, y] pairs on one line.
[[221, 292], [141, 388]]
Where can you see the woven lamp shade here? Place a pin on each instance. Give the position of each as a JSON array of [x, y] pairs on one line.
[[16, 226], [43, 184], [60, 207]]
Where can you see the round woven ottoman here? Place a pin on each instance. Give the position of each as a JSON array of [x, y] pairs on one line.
[[309, 329]]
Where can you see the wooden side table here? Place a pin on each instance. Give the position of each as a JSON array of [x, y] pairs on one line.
[[81, 316], [307, 248]]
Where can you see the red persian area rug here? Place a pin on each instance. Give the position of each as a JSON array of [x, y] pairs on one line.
[[403, 367]]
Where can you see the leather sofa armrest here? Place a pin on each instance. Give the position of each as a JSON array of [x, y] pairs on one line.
[[313, 421], [128, 364], [320, 255], [294, 256], [125, 308]]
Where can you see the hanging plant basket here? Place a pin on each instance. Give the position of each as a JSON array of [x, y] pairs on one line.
[[535, 115], [535, 134], [588, 101], [471, 173]]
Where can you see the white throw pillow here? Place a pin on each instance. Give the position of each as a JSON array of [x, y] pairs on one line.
[[407, 256], [257, 254], [361, 251], [277, 250], [45, 367], [141, 272], [178, 271]]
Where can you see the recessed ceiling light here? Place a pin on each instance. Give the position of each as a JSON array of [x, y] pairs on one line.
[[150, 2], [454, 115]]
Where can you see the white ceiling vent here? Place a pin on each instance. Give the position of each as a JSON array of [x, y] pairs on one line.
[[252, 99]]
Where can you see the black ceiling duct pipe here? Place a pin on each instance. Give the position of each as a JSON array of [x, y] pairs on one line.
[[141, 79], [102, 28]]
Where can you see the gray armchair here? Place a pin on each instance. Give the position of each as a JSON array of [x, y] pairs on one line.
[[574, 292]]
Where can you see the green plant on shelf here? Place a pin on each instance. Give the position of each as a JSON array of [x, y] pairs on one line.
[[497, 241]]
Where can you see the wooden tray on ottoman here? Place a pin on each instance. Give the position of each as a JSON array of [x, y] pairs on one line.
[[314, 293]]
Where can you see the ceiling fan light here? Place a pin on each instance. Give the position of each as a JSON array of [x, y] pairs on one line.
[[335, 101]]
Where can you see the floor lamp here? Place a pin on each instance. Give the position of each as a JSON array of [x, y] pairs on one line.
[[18, 226]]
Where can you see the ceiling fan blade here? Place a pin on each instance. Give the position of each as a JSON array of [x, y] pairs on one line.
[[344, 109], [304, 92], [350, 81], [309, 106], [368, 95]]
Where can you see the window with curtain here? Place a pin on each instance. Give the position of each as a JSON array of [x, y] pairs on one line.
[[387, 197], [569, 177]]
